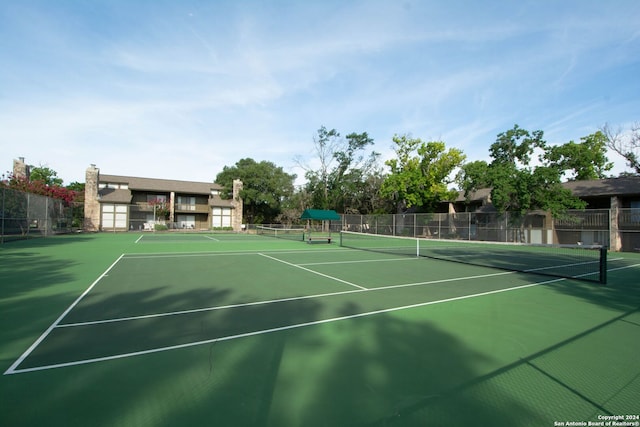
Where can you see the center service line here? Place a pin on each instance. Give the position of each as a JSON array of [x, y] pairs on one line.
[[314, 272]]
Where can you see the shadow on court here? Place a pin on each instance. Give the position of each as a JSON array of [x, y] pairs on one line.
[[457, 365]]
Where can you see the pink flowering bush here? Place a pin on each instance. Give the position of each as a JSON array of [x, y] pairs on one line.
[[39, 187], [161, 208]]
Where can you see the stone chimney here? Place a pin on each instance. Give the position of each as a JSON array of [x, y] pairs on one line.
[[20, 169], [91, 199], [237, 205]]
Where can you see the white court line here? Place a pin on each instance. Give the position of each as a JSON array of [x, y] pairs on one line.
[[226, 253], [139, 238], [314, 272], [298, 298], [24, 355], [360, 261], [56, 324], [271, 330], [279, 300], [623, 268]]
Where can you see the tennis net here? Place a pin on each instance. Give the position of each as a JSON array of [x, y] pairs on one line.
[[281, 233], [568, 261]]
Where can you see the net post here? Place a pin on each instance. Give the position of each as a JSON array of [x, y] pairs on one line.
[[603, 265]]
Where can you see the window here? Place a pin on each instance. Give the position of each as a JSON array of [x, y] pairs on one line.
[[187, 221], [221, 217], [186, 203], [113, 186], [114, 216], [157, 197]]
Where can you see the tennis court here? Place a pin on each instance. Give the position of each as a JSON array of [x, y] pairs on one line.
[[166, 329]]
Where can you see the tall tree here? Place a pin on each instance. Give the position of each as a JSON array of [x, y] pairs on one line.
[[627, 144], [518, 186], [584, 160], [420, 173], [265, 186], [342, 166]]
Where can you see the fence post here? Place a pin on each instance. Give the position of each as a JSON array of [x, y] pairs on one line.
[[393, 225], [46, 216]]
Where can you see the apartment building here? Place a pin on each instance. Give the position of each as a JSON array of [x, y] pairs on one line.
[[121, 203]]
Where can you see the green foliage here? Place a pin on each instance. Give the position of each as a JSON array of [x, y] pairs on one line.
[[516, 185], [45, 174], [346, 176], [265, 187], [586, 160], [420, 173], [473, 176], [78, 187]]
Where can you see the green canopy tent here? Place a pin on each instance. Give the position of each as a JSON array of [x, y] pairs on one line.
[[326, 216]]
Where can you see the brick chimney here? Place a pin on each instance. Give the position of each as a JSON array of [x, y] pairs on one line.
[[20, 169], [91, 199], [237, 205]]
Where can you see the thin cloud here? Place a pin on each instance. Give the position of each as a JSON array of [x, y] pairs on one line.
[[203, 85]]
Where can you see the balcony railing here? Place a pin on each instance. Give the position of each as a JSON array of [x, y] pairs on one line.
[[629, 219], [179, 207]]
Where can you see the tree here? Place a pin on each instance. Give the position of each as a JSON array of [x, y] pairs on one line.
[[420, 173], [473, 176], [45, 174], [344, 168], [585, 160], [519, 187], [625, 144], [265, 187], [78, 202]]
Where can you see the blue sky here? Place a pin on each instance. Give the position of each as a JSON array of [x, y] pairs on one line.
[[180, 89]]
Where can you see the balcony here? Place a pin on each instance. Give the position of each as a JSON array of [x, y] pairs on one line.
[[191, 208]]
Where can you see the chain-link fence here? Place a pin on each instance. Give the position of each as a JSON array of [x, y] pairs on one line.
[[531, 228], [25, 215], [589, 227]]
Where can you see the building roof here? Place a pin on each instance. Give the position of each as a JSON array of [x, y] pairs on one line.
[[219, 202], [483, 194], [164, 185], [623, 186], [110, 195]]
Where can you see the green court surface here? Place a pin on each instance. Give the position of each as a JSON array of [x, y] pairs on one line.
[[195, 329]]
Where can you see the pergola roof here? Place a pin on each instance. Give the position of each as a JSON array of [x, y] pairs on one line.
[[320, 215]]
